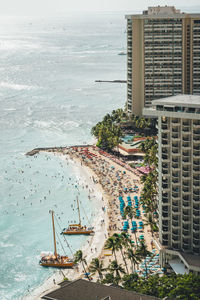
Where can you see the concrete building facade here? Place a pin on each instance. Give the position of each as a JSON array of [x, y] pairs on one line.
[[163, 56], [178, 178]]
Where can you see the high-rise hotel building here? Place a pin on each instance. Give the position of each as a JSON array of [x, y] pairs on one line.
[[178, 180], [163, 56]]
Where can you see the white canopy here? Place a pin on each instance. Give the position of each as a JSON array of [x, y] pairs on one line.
[[178, 266]]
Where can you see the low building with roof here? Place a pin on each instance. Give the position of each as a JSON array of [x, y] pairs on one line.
[[81, 289]]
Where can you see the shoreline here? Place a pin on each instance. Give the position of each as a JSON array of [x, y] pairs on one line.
[[112, 178], [93, 242]]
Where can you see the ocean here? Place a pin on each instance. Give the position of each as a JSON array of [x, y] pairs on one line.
[[49, 97]]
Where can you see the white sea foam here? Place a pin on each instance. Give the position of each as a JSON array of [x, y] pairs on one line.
[[15, 86], [6, 245], [10, 109], [17, 45], [20, 277]]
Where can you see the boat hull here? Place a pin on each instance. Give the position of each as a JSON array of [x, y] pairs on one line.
[[57, 265], [78, 232]]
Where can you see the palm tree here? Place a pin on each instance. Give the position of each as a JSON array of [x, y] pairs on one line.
[[126, 241], [130, 212], [115, 268], [111, 244], [142, 252], [96, 266], [151, 222], [133, 257], [119, 246], [78, 257]]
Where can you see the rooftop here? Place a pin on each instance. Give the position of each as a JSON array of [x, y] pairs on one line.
[[179, 100], [191, 260], [162, 12], [86, 290]]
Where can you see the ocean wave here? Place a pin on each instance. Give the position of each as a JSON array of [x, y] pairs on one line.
[[71, 124], [10, 109], [17, 44], [43, 124], [14, 86], [20, 277], [4, 245]]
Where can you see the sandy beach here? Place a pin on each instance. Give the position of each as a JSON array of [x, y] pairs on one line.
[[108, 178]]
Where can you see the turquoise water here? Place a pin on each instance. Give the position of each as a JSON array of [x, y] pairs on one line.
[[48, 97]]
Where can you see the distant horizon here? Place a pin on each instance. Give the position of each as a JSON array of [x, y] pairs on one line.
[[190, 9], [36, 8]]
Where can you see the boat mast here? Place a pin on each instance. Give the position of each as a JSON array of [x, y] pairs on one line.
[[79, 216], [54, 235]]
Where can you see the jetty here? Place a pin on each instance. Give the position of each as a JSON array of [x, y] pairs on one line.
[[112, 81], [52, 149]]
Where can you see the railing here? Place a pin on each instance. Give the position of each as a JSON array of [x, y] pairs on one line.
[[186, 129], [186, 204], [186, 174]]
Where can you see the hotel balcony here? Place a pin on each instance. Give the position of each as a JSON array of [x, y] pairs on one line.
[[186, 174], [165, 200], [186, 145], [175, 181], [186, 129], [196, 228], [186, 160], [196, 214], [196, 153], [165, 215], [164, 171], [186, 242], [196, 169], [165, 142], [186, 227], [175, 210], [175, 130], [196, 243], [165, 229], [175, 145], [175, 239], [186, 247], [196, 131], [175, 225], [186, 204], [186, 153], [197, 125], [176, 121], [175, 194], [186, 234], [196, 250], [196, 138], [175, 136], [196, 182], [185, 213], [164, 128], [176, 246], [186, 183], [165, 157], [196, 147], [196, 199], [175, 152], [186, 139], [175, 166], [196, 186], [186, 123]]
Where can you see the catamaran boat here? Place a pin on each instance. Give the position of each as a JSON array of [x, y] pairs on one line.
[[75, 229], [55, 260]]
